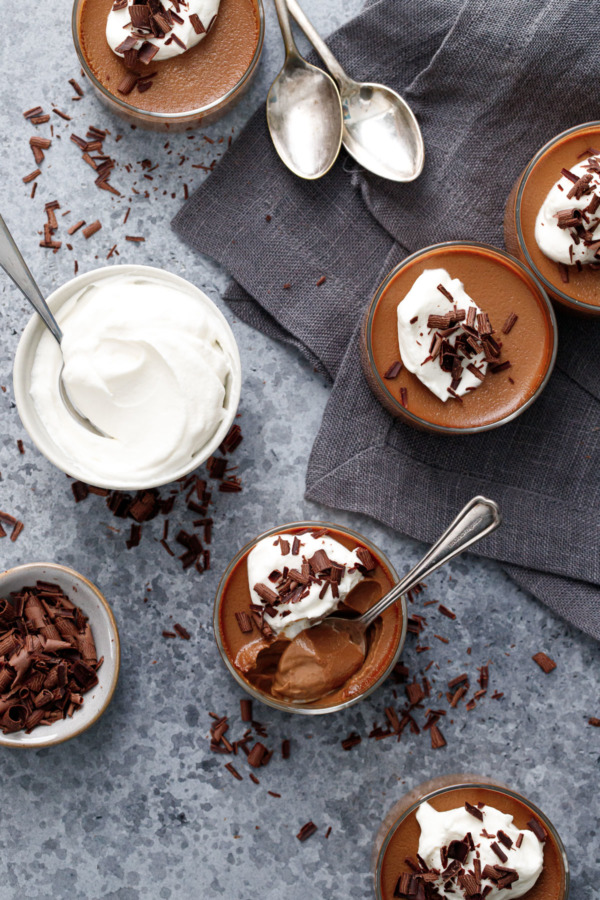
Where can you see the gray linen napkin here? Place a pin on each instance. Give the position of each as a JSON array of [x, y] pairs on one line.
[[490, 81]]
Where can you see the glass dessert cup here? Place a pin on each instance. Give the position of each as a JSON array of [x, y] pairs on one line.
[[399, 831], [581, 294], [501, 397], [160, 120], [378, 666]]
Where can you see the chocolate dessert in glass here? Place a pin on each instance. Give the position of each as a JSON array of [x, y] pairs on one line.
[[169, 64], [459, 338], [552, 218], [468, 837], [271, 618]]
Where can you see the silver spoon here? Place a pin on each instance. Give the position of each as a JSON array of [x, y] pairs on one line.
[[16, 268], [380, 129], [304, 112], [478, 518]]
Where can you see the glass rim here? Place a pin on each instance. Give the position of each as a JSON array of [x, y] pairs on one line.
[[272, 701], [570, 301], [425, 423], [152, 115], [482, 785]]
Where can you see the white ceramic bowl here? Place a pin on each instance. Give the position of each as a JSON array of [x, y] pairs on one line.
[[35, 428], [106, 636]]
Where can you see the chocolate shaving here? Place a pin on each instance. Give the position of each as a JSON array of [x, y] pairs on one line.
[[445, 292], [393, 371], [544, 662], [197, 24], [244, 621], [306, 831], [508, 325], [538, 829]]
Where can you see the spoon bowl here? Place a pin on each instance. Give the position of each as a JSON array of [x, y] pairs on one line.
[[380, 129], [304, 111]]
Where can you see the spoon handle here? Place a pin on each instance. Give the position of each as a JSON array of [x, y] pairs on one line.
[[478, 518], [286, 28], [316, 40], [16, 268]]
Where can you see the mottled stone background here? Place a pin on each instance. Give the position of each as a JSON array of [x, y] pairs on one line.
[[138, 807]]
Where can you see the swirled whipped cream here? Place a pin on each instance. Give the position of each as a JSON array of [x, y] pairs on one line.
[[297, 580], [567, 228], [434, 342], [159, 29], [147, 362], [482, 843]]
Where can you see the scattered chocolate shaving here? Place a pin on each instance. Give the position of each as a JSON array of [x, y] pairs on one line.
[[594, 722], [246, 709], [544, 662], [233, 771], [244, 621], [508, 325], [404, 397], [306, 831], [91, 229], [437, 738], [197, 24], [322, 279], [474, 811], [32, 176], [498, 851], [181, 631]]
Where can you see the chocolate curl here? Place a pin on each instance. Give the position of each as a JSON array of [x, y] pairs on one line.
[[20, 662], [50, 631], [67, 627], [84, 675], [6, 678], [34, 612], [7, 612], [53, 646], [7, 703], [43, 698], [34, 718], [9, 643], [13, 718], [87, 647], [36, 682]]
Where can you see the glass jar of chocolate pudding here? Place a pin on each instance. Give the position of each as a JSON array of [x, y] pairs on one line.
[[270, 618], [168, 67], [474, 835], [459, 338], [552, 218]]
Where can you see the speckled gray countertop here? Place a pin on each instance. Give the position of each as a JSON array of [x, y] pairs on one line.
[[138, 807]]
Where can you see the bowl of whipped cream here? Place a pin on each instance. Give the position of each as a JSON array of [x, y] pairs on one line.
[[149, 359]]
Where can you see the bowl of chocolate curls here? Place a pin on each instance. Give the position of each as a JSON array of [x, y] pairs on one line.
[[59, 655]]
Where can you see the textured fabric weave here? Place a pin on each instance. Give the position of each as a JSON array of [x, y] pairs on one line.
[[490, 81]]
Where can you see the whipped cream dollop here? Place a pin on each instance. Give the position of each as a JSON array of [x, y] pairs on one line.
[[171, 27], [424, 346], [147, 362], [494, 829], [567, 227], [299, 579]]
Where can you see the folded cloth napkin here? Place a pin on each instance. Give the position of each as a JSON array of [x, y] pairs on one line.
[[490, 81]]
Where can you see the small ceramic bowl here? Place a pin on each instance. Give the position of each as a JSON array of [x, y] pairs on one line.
[[88, 598], [36, 429]]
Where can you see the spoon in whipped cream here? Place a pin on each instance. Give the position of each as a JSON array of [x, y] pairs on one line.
[[476, 520], [16, 268]]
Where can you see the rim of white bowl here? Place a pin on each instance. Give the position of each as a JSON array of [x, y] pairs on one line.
[[22, 378]]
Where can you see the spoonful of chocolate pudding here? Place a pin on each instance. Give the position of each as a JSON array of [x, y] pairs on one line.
[[324, 656]]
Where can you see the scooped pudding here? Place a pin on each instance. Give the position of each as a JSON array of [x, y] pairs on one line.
[[273, 609], [552, 219], [169, 56], [458, 338], [469, 842]]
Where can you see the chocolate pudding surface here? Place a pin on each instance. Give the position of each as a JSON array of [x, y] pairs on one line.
[[499, 287], [405, 840], [384, 636], [192, 80], [583, 285]]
